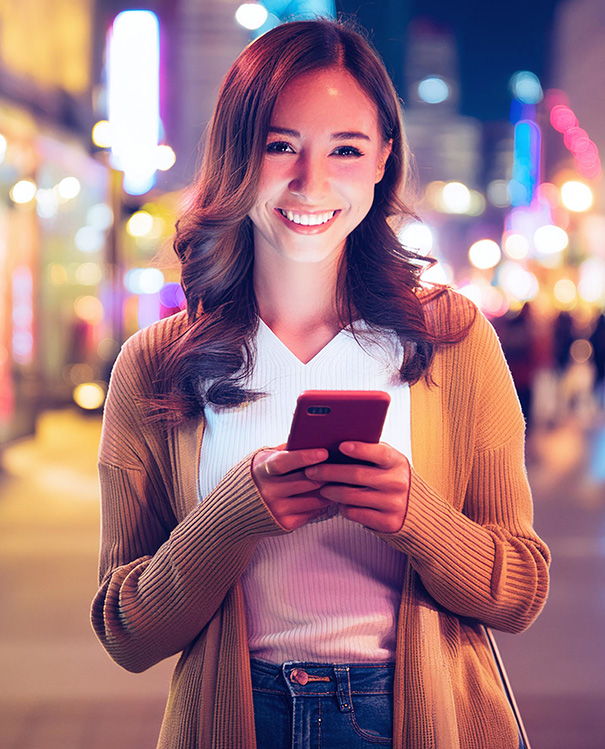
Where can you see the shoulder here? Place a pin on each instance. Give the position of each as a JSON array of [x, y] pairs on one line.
[[446, 310], [149, 343], [460, 325], [142, 353]]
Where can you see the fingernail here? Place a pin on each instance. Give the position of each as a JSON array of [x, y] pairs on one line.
[[348, 446], [311, 471]]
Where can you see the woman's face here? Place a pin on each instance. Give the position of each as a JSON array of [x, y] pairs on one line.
[[323, 157]]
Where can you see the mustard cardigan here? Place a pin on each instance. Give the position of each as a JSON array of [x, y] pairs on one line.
[[170, 567]]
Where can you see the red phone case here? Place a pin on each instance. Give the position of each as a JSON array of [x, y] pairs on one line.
[[325, 418]]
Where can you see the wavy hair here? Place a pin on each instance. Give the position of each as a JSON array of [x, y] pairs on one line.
[[378, 278]]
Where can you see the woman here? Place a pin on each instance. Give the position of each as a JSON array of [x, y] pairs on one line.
[[313, 602]]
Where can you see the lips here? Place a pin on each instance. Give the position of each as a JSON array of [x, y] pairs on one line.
[[307, 219]]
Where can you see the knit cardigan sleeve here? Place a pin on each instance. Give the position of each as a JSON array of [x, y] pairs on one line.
[[161, 580], [471, 539]]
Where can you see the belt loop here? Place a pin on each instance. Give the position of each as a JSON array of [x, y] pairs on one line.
[[343, 689]]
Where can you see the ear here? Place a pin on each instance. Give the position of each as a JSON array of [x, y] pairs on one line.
[[382, 161]]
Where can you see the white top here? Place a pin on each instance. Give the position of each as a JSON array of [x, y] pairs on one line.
[[329, 591]]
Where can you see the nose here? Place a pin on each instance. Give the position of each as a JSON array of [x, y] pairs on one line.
[[310, 180]]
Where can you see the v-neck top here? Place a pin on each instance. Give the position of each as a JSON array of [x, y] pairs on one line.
[[329, 591]]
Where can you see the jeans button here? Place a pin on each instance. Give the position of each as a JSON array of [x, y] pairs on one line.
[[300, 676]]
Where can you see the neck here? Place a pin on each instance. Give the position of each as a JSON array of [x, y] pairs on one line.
[[296, 296]]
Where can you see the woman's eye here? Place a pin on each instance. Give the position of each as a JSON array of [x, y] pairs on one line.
[[279, 146], [347, 151]]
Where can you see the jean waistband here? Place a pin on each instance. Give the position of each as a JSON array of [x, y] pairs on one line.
[[301, 678]]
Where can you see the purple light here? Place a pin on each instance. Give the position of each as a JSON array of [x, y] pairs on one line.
[[172, 295]]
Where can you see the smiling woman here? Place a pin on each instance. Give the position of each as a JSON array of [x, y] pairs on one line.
[[341, 603]]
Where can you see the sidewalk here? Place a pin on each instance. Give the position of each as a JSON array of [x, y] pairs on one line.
[[59, 690]]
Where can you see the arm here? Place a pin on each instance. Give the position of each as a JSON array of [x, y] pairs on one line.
[[162, 581], [483, 560]]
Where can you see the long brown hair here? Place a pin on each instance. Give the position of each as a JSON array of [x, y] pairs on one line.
[[378, 278]]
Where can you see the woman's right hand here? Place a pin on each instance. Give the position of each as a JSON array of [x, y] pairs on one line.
[[292, 498]]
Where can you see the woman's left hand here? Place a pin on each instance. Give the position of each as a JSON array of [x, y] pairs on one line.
[[375, 496]]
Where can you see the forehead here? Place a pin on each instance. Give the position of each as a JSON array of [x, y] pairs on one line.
[[331, 99]]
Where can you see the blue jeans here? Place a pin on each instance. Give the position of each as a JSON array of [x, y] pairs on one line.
[[318, 706]]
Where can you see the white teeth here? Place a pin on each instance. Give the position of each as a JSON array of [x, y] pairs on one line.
[[307, 219]]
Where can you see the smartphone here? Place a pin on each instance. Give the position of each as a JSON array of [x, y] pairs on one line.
[[325, 418]]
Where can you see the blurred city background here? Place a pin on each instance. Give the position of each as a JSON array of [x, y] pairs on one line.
[[102, 105]]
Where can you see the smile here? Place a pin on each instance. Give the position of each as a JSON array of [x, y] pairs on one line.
[[308, 219]]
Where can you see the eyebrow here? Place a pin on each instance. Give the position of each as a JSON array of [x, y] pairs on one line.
[[346, 135]]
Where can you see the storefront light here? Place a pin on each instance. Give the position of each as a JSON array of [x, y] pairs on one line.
[[134, 97]]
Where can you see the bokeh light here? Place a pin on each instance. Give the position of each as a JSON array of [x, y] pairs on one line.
[[485, 254], [69, 188], [88, 239], [89, 395], [576, 196], [166, 158], [89, 309], [565, 291], [550, 239], [101, 134], [417, 236], [433, 90], [140, 224], [89, 274], [516, 246], [526, 87], [23, 191], [456, 197], [591, 286], [172, 295], [251, 15], [497, 193], [518, 282], [144, 280], [100, 216], [581, 350]]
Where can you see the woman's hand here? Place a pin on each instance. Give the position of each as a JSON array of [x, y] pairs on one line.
[[375, 496], [291, 496]]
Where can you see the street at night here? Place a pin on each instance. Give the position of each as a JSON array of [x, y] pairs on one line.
[[59, 690]]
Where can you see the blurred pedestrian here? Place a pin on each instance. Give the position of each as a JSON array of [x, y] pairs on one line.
[[518, 341], [313, 601], [563, 337], [597, 340]]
